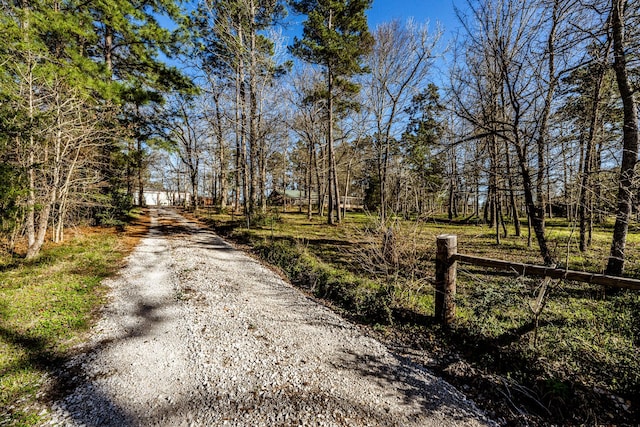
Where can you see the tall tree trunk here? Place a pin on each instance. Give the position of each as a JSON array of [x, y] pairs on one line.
[[41, 229], [452, 210], [382, 181], [332, 193], [320, 182], [536, 213], [503, 224], [30, 219], [239, 140], [108, 47], [476, 196], [543, 136], [496, 215], [139, 153], [493, 179], [346, 188], [253, 117], [194, 190], [216, 197], [336, 186], [309, 178], [567, 180], [485, 209], [262, 179], [615, 266], [597, 191], [50, 186], [586, 196], [222, 190], [333, 179], [450, 203], [31, 166], [512, 197], [243, 147], [129, 169], [529, 237]]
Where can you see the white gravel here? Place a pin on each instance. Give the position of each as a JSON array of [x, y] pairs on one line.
[[197, 333]]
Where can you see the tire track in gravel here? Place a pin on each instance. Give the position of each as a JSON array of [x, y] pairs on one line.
[[197, 333]]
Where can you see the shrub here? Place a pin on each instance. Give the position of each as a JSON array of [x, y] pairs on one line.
[[369, 301]]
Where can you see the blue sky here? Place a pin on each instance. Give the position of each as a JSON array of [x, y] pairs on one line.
[[441, 11], [434, 11]]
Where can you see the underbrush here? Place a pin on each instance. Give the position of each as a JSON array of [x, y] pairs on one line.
[[567, 353], [46, 306], [530, 351], [365, 299]]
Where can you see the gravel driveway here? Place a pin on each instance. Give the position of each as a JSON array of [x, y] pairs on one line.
[[198, 333]]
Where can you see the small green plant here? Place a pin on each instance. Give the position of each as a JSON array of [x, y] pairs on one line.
[[556, 389]]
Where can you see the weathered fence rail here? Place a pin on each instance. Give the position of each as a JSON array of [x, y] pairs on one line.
[[447, 257]]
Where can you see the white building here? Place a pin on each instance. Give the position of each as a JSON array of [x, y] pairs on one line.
[[163, 198]]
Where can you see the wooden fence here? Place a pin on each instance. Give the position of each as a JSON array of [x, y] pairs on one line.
[[447, 257]]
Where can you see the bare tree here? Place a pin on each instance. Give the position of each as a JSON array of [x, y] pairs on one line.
[[240, 49], [620, 32], [218, 123], [516, 53], [585, 212], [60, 154], [400, 61], [184, 129], [306, 122]]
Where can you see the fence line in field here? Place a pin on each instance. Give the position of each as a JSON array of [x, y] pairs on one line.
[[447, 257]]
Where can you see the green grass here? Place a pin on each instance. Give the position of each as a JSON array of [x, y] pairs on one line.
[[584, 337], [46, 306]]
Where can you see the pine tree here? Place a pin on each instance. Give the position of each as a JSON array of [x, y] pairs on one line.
[[335, 36], [66, 70], [424, 132], [233, 48]]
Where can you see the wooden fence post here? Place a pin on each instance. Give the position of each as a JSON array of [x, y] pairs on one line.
[[445, 310]]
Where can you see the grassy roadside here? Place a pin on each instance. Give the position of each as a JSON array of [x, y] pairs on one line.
[[573, 359], [48, 304]]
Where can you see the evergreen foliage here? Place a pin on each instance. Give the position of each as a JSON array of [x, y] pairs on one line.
[[68, 73], [335, 36], [424, 133]]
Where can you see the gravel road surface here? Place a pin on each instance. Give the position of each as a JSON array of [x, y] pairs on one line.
[[197, 333]]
